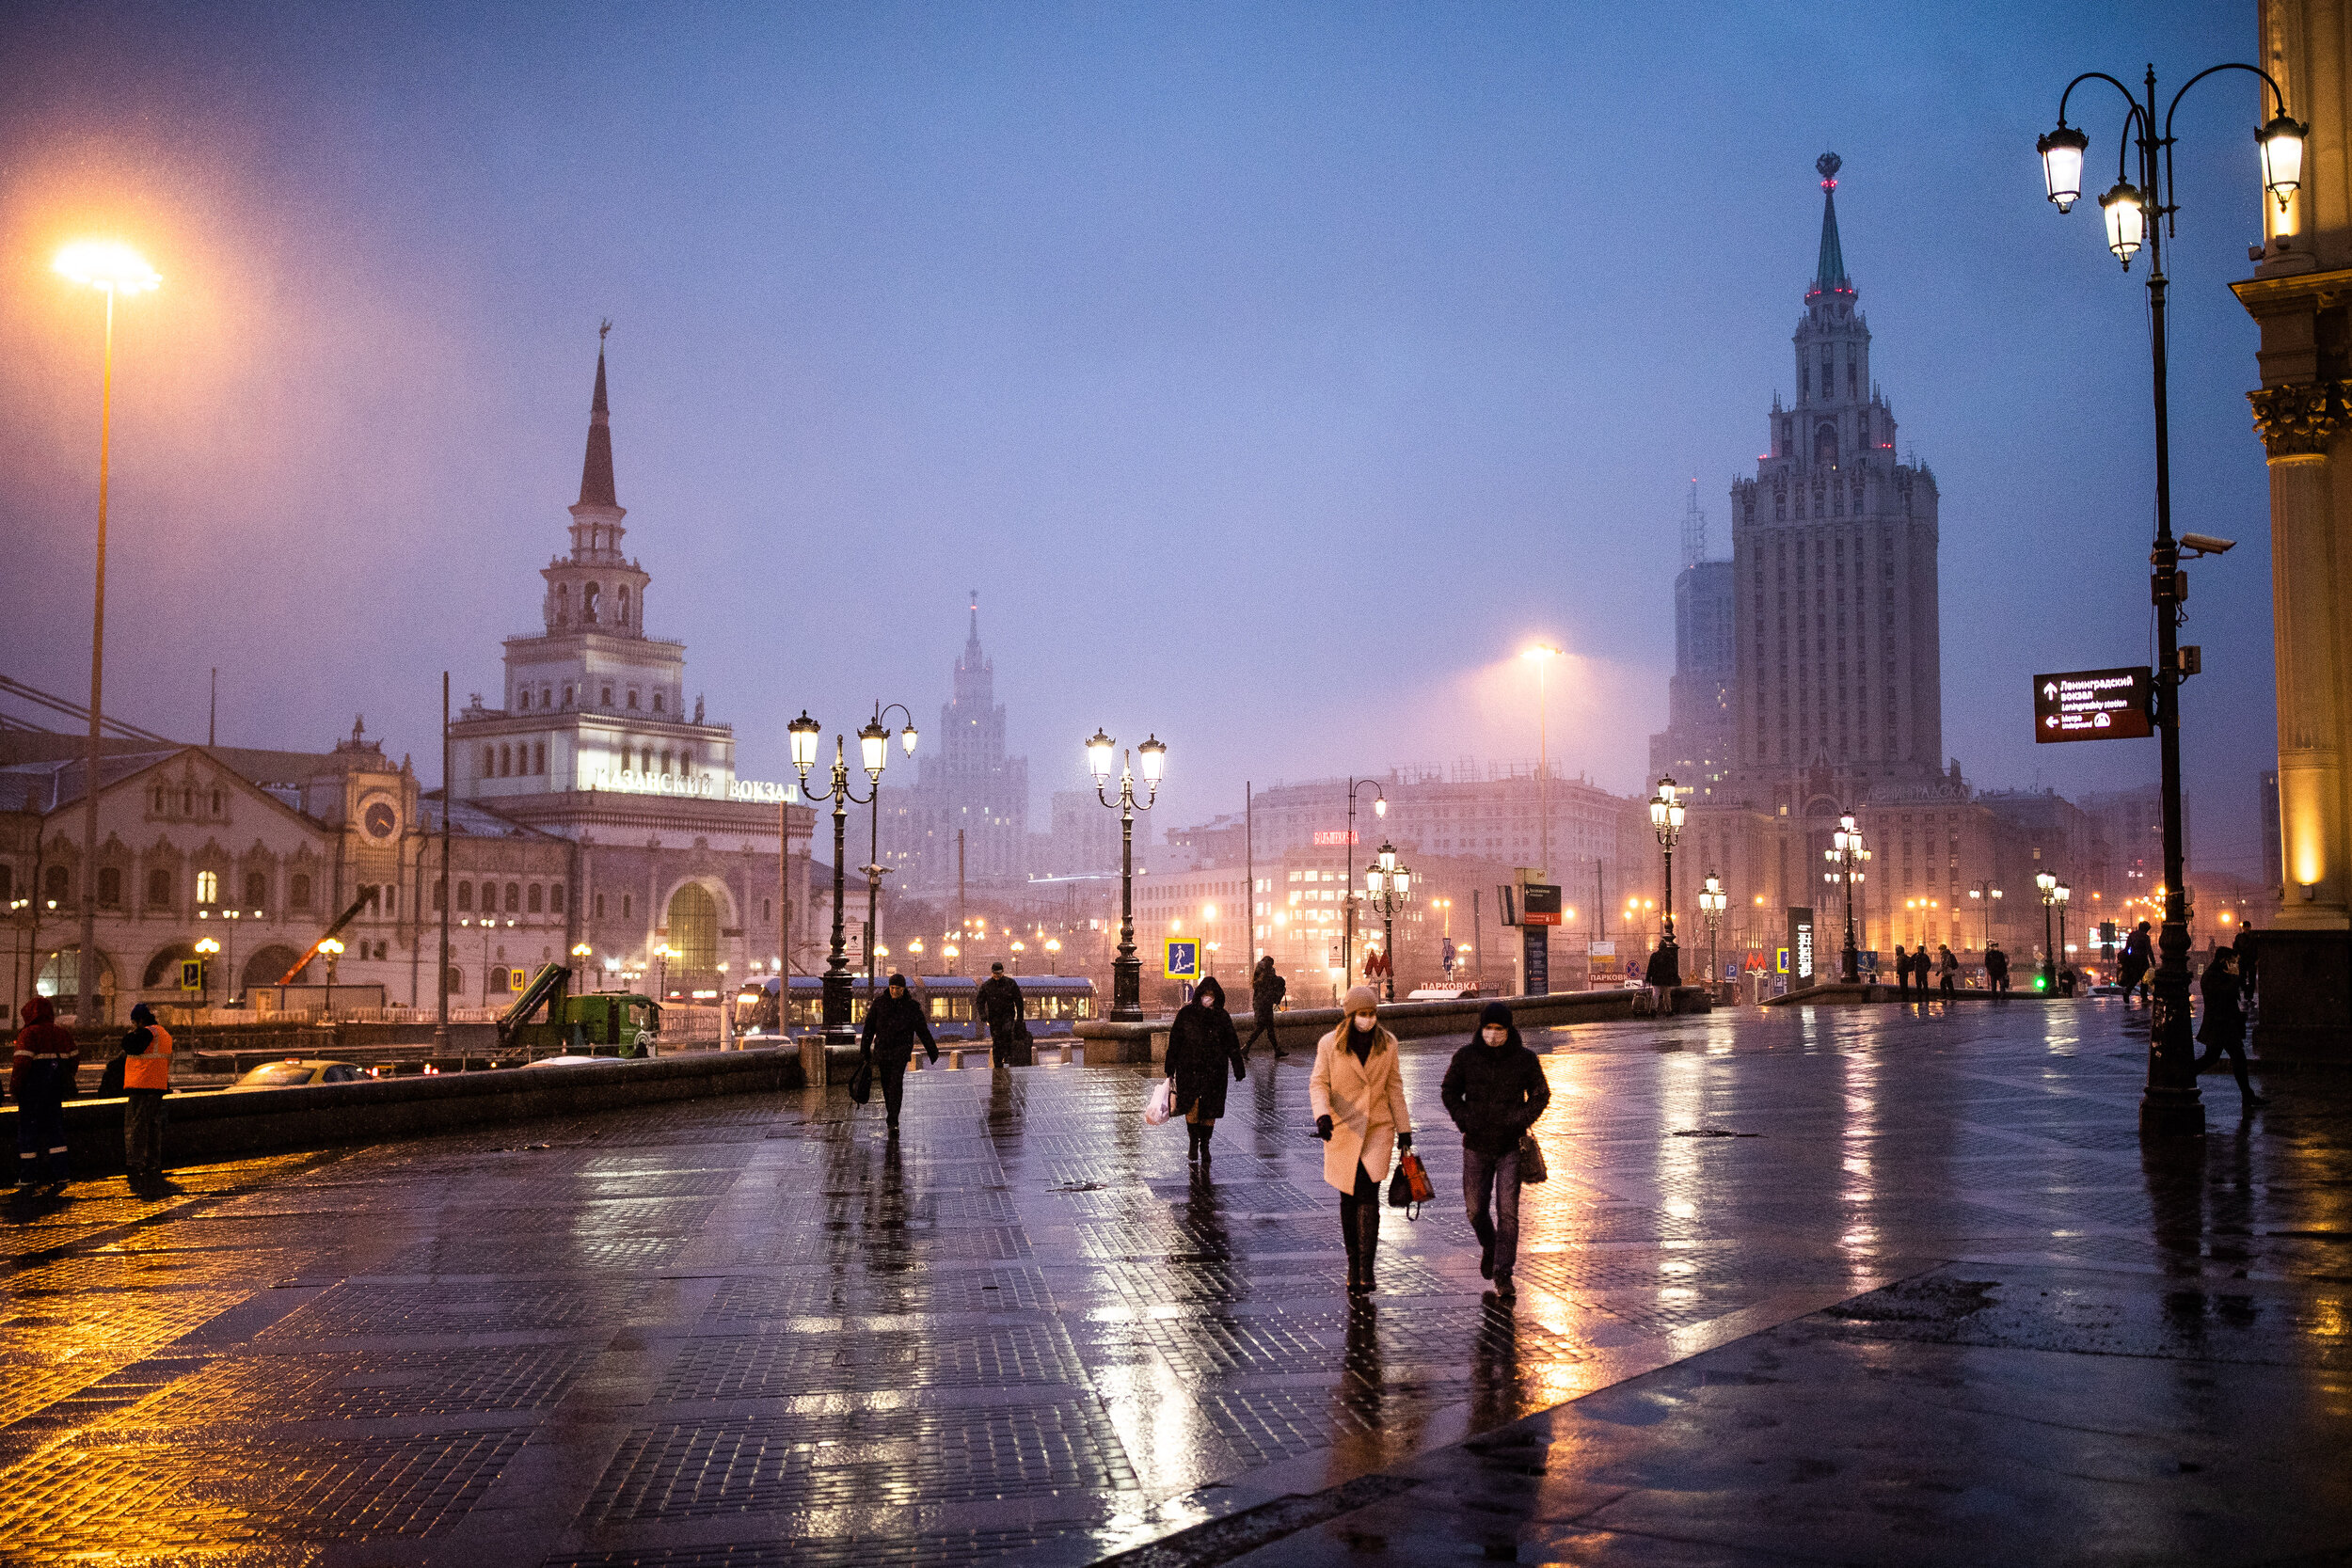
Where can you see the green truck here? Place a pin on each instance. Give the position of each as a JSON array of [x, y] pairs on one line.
[[547, 1019]]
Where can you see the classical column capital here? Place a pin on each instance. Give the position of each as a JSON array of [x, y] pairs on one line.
[[2298, 420]]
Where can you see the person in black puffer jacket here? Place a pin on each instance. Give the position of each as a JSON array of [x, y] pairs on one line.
[[1202, 1045], [1494, 1090], [894, 1022]]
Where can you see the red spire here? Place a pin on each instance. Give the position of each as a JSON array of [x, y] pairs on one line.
[[596, 471]]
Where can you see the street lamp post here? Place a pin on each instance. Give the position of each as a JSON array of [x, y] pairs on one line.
[[333, 948], [1347, 929], [2048, 884], [1989, 894], [1666, 812], [2170, 1105], [111, 269], [205, 948], [1388, 880], [873, 868], [1126, 969], [2058, 895], [873, 753], [1713, 901], [1847, 855], [1541, 656]]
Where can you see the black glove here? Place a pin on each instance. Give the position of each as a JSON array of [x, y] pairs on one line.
[[1403, 1141], [1323, 1127]]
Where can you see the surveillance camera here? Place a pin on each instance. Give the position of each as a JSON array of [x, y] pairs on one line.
[[2205, 544]]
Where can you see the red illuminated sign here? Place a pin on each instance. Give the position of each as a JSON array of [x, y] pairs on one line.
[[1333, 837]]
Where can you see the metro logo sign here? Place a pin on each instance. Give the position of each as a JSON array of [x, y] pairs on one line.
[[2092, 705]]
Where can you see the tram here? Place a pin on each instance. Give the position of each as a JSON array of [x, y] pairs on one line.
[[1053, 1002]]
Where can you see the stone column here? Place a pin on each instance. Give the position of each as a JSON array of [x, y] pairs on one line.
[[2297, 424]]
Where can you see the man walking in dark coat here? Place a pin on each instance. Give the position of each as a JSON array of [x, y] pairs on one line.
[[2223, 1027], [1996, 969], [2139, 956], [1266, 990], [1902, 973], [1494, 1090], [1000, 1005], [894, 1022]]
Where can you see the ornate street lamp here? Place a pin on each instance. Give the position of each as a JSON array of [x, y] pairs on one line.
[[205, 948], [2058, 895], [1713, 900], [2048, 884], [333, 948], [1389, 882], [1666, 812], [1102, 751], [1847, 855], [2171, 1103], [873, 742], [1348, 913], [1990, 894]]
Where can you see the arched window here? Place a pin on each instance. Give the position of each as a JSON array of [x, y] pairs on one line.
[[54, 886], [525, 696], [159, 800], [563, 603], [215, 803], [546, 695], [555, 898], [109, 887], [531, 901], [608, 698], [644, 760], [567, 695], [539, 757], [632, 698], [506, 761], [665, 762], [1825, 445], [621, 618], [187, 802], [255, 890], [588, 605], [513, 898], [298, 891], [465, 896], [208, 887], [657, 702], [489, 762]]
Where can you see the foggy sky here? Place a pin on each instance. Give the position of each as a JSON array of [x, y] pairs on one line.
[[1274, 373]]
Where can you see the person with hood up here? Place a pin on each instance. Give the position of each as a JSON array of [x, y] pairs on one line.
[[1996, 969], [894, 1022], [1902, 973], [2223, 1027], [41, 1079], [2139, 956], [1494, 1090], [1266, 990], [1202, 1044], [146, 1079], [1357, 1097]]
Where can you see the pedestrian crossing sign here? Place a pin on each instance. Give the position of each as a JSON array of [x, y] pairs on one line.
[[191, 974], [1184, 958]]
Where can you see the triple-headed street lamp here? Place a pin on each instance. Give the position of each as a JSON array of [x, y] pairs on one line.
[[1666, 812], [2049, 886], [873, 744], [1389, 882], [2171, 1103], [873, 868], [1102, 752], [1990, 895], [1846, 854], [1713, 900]]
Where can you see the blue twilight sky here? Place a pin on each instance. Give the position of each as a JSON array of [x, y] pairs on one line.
[[1273, 372]]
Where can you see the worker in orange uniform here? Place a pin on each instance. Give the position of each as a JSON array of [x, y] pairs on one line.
[[146, 1079]]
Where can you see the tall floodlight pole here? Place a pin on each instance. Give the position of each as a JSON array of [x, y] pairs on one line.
[[1540, 655], [1126, 969], [111, 269], [1348, 914], [2170, 1105]]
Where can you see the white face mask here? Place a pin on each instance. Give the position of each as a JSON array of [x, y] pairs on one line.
[[1495, 1034], [1362, 1021]]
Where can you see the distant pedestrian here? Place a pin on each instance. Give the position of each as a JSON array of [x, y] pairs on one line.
[[1950, 966], [894, 1022], [2224, 1026], [1357, 1097], [2139, 956], [1202, 1044], [1494, 1090], [42, 1078], [2067, 979], [1902, 974], [1002, 1007], [1996, 969], [146, 1079], [1266, 990], [1662, 974]]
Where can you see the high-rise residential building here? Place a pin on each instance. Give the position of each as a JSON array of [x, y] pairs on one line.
[[966, 786], [1834, 566], [1695, 747]]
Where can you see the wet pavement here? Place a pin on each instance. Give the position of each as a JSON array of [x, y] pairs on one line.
[[1840, 1285]]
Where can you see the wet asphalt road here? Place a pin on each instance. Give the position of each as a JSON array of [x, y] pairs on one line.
[[1843, 1286]]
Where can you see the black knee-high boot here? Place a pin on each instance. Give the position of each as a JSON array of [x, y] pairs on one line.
[[1368, 1217], [1351, 1231], [1208, 1131], [1192, 1140]]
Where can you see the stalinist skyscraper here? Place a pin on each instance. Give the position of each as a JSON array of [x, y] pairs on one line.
[[1834, 544]]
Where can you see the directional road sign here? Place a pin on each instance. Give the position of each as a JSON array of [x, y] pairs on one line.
[[2092, 705]]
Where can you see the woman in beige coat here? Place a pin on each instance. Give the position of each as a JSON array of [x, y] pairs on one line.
[[1358, 1101]]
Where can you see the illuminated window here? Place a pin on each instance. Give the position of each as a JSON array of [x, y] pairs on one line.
[[208, 887]]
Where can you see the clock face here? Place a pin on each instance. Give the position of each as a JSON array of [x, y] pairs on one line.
[[380, 819]]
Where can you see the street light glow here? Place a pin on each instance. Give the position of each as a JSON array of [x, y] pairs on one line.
[[107, 264]]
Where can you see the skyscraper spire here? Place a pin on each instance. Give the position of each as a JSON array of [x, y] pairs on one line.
[[1693, 529], [1829, 273], [971, 639], [596, 469]]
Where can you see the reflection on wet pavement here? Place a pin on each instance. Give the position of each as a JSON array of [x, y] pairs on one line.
[[754, 1331]]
